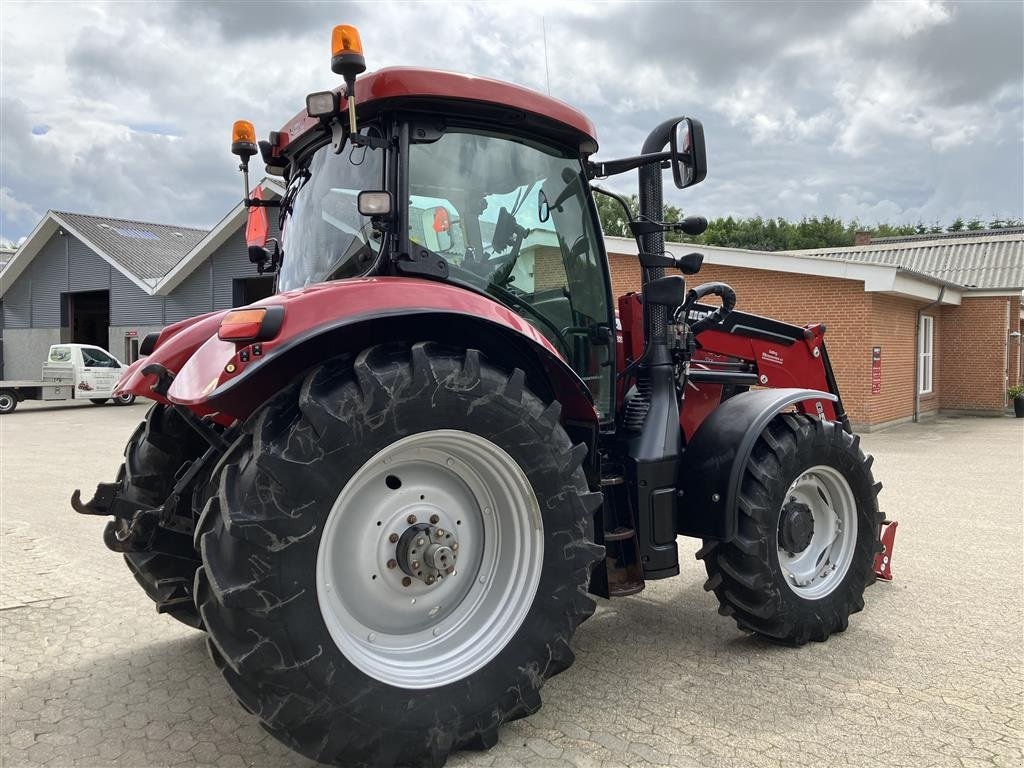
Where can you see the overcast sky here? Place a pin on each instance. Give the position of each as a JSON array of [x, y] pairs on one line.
[[893, 112]]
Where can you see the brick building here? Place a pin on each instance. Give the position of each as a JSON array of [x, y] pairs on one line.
[[936, 319]]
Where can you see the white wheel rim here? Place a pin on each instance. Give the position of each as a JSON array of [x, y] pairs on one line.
[[420, 635], [6, 402], [822, 565], [125, 399]]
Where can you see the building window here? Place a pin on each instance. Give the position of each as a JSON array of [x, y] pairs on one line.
[[925, 340]]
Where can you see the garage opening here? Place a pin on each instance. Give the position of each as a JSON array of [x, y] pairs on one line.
[[87, 315], [246, 290]]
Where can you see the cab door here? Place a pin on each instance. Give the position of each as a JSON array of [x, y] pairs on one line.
[[99, 373]]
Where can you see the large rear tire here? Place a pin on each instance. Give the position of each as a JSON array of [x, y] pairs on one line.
[[152, 458], [8, 401], [332, 609], [807, 534]]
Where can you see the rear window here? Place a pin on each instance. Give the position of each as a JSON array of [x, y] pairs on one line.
[[60, 354]]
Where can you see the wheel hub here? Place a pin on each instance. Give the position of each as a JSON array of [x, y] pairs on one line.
[[796, 527], [427, 552]]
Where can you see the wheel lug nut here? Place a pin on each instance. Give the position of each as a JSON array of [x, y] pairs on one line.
[[451, 569], [455, 547], [420, 542], [415, 564], [392, 563], [439, 533], [429, 579], [434, 519], [406, 581], [393, 538], [410, 519]]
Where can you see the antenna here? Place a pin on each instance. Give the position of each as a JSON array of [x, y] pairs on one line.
[[544, 33]]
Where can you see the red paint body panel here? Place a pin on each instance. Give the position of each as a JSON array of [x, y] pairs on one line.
[[199, 359], [792, 365], [175, 345], [398, 82]]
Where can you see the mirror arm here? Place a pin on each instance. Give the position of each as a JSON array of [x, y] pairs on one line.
[[601, 169]]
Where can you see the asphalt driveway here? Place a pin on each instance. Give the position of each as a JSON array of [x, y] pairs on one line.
[[930, 674]]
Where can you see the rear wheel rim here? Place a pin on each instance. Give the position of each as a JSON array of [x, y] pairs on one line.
[[442, 487], [125, 399], [816, 571], [6, 402]]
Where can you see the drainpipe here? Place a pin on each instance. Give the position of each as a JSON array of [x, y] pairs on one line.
[[917, 356]]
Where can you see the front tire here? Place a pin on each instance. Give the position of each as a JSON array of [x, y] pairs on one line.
[[98, 400], [124, 399], [807, 534], [315, 568], [161, 444]]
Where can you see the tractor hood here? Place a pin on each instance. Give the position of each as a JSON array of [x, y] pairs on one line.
[[231, 378]]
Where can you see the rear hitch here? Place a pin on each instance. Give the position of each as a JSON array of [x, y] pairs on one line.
[[883, 560]]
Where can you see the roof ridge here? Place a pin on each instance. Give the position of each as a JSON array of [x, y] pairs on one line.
[[129, 221]]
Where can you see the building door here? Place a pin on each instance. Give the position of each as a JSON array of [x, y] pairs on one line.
[[246, 290], [88, 317]]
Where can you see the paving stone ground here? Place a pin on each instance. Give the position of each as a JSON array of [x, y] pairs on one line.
[[930, 674]]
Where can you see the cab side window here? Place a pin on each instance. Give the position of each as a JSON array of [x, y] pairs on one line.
[[95, 358]]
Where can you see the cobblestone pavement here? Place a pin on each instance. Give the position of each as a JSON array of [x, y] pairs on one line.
[[929, 675]]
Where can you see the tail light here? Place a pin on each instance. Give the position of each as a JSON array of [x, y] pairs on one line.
[[253, 324]]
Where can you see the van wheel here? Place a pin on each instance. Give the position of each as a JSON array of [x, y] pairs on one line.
[[8, 401], [807, 534], [98, 400], [397, 556], [124, 399]]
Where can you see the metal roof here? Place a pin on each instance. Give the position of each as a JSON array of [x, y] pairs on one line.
[[148, 251], [992, 262], [950, 235]]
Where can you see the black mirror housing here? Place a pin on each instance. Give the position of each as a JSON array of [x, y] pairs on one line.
[[689, 158]]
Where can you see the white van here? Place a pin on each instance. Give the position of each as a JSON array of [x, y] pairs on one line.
[[70, 372]]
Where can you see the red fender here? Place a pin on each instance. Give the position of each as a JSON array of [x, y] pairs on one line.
[[231, 379]]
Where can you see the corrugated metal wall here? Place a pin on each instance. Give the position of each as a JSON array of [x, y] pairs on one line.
[[130, 305], [18, 302], [65, 264], [192, 297], [86, 270], [49, 280], [229, 261]]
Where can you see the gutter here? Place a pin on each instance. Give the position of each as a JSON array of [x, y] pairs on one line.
[[917, 357]]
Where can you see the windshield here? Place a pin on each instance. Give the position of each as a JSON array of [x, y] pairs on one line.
[[513, 219], [324, 236]]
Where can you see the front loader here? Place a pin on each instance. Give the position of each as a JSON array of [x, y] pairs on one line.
[[389, 491]]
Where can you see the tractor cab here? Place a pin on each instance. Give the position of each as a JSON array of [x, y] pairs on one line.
[[475, 204]]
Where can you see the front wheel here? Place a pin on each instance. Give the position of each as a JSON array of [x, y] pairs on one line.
[[807, 533], [397, 556], [124, 399], [98, 400]]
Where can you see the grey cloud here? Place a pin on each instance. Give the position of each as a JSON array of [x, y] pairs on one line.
[[788, 93]]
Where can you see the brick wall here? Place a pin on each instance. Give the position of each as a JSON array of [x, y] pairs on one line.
[[974, 350], [970, 355], [894, 329], [799, 299]]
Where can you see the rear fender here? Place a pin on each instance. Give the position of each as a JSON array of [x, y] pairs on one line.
[[175, 345], [347, 316], [713, 462]]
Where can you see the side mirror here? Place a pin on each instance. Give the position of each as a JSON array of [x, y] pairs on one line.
[[689, 160]]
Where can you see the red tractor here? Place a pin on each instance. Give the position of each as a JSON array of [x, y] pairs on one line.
[[388, 491]]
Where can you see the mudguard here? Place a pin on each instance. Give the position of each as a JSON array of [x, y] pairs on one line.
[[713, 462], [321, 321]]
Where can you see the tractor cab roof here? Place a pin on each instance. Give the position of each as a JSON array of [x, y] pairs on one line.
[[443, 92]]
